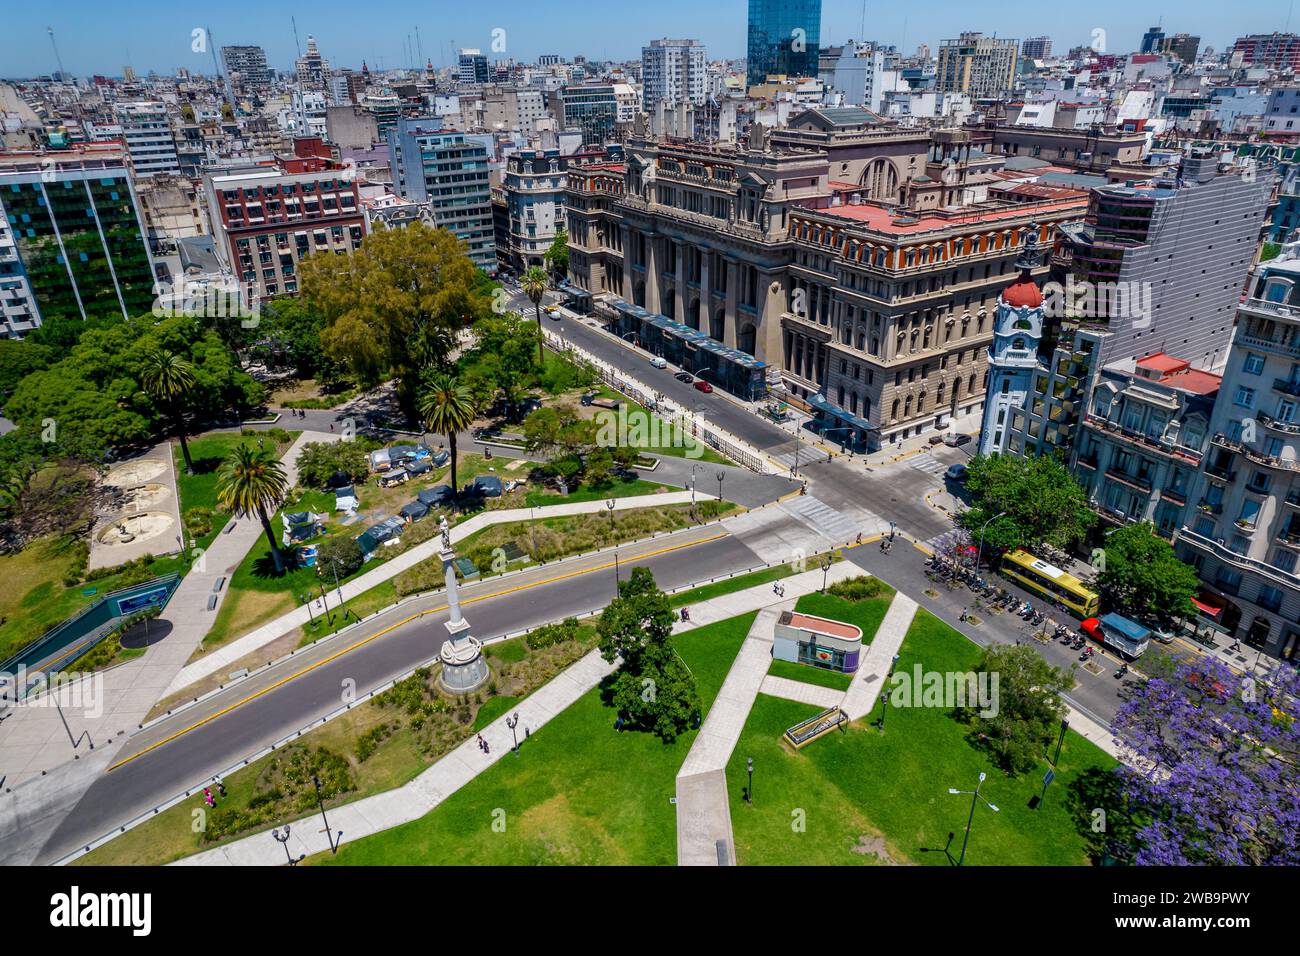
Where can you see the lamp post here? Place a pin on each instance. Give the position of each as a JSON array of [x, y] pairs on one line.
[[880, 725], [329, 834], [284, 842], [306, 599], [979, 554], [694, 468], [329, 616], [1065, 725], [749, 791], [720, 476], [512, 723], [338, 589], [826, 569], [975, 796]]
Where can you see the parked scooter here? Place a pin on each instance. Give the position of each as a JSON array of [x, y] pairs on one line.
[[1123, 669]]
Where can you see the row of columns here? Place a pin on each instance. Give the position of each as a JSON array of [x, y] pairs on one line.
[[656, 297]]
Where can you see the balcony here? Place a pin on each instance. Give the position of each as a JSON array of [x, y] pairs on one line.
[[1140, 440], [1176, 497], [1210, 507], [1220, 473], [1088, 461], [1268, 421], [1287, 386], [1133, 481]]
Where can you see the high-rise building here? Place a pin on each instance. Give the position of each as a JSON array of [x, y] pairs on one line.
[[1036, 48], [1160, 264], [864, 73], [450, 171], [784, 39], [1279, 51], [672, 72], [472, 67], [149, 140], [311, 69], [1243, 532], [71, 240], [1151, 40], [594, 108], [976, 65], [1182, 45], [249, 62]]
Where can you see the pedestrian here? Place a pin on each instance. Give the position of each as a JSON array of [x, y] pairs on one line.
[[331, 426], [859, 540], [486, 748], [963, 617], [221, 788]]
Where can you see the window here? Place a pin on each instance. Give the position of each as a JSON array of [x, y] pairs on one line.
[[1254, 365], [1245, 397]]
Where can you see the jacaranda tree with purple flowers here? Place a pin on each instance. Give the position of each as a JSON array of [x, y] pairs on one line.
[[1216, 779]]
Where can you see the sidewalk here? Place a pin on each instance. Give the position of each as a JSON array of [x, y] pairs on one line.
[[459, 767], [869, 678], [224, 657]]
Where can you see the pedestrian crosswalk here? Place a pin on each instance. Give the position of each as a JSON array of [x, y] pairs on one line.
[[807, 455], [822, 518], [927, 463], [948, 542]]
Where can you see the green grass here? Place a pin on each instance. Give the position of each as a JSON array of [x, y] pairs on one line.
[[865, 614], [493, 708], [511, 651], [810, 675], [615, 488], [740, 582], [888, 791], [579, 793]]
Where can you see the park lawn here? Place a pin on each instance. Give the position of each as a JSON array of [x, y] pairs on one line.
[[199, 490], [492, 709], [579, 793], [865, 614], [617, 487], [669, 440], [873, 797], [810, 675]]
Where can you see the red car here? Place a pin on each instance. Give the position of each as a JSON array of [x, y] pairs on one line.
[[703, 386]]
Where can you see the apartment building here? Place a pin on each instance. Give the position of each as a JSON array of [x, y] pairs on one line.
[[146, 127], [978, 65], [672, 72], [1243, 533], [72, 243], [450, 171], [266, 219], [247, 66], [534, 190]]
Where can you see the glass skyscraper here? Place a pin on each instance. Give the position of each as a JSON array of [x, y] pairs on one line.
[[784, 38]]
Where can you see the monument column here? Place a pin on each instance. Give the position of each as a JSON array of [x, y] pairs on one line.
[[464, 668]]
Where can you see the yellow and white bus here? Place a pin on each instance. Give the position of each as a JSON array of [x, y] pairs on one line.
[[1050, 583]]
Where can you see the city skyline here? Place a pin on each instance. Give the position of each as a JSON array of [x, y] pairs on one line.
[[92, 42]]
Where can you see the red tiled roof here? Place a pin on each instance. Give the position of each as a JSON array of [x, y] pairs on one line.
[[882, 219], [1194, 380], [1161, 362]]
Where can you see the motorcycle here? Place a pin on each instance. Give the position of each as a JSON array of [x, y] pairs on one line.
[[1123, 669]]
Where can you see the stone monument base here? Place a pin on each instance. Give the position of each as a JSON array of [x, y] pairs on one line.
[[464, 668]]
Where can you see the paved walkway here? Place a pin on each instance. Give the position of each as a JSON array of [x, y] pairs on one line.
[[703, 806], [457, 768], [224, 657], [871, 673], [801, 692]]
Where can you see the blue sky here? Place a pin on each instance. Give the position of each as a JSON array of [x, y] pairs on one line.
[[95, 36]]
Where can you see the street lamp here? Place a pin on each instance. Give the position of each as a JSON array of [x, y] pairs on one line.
[[306, 599], [880, 724], [749, 791], [975, 796], [979, 554], [826, 568], [329, 834], [720, 476], [1065, 725], [284, 842], [695, 467], [512, 723]]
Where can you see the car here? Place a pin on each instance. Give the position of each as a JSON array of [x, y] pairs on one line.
[[956, 472], [936, 439], [703, 386], [686, 377], [549, 309], [658, 362], [956, 441], [554, 315]]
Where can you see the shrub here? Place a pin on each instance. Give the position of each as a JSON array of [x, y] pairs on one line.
[[198, 521], [340, 552], [862, 588], [548, 635]]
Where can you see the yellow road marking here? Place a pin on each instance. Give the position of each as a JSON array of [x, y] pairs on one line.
[[393, 627]]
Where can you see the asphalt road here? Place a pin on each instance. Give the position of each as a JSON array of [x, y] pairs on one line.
[[297, 693]]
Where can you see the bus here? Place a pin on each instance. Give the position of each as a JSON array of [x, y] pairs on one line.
[[1050, 583]]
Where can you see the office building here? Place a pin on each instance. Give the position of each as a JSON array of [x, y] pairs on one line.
[[472, 68], [596, 109], [1151, 40], [1160, 264], [1181, 45], [977, 65], [311, 69], [450, 171], [72, 244], [1036, 48], [1277, 51], [672, 72], [784, 39]]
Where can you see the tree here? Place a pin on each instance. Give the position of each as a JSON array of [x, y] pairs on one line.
[[396, 305], [252, 482], [1214, 777], [318, 462], [534, 283], [340, 553], [169, 378], [446, 407], [652, 688], [290, 334], [18, 359], [557, 256], [1143, 577], [1028, 709], [1024, 502]]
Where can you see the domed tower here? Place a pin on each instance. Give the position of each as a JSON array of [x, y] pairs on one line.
[[1013, 356]]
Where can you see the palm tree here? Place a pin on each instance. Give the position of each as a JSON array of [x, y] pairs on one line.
[[251, 481], [169, 378], [534, 283], [446, 407]]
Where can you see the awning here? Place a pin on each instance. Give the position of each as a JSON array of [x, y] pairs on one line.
[[822, 404], [1205, 608]]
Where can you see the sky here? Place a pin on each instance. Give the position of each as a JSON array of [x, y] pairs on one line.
[[95, 36]]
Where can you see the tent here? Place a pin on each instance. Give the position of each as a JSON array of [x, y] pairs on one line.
[[415, 510], [437, 495], [345, 499], [489, 486]]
